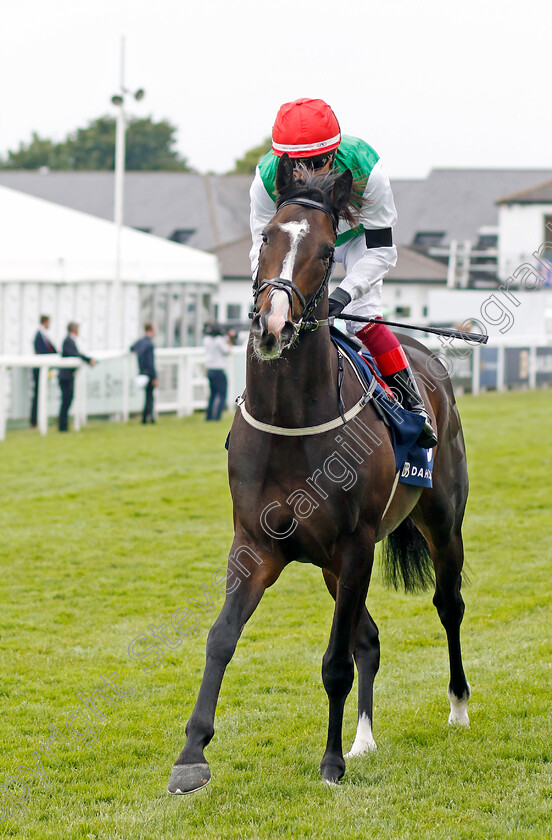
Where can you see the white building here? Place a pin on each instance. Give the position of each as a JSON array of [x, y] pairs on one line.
[[61, 262], [453, 216], [525, 235]]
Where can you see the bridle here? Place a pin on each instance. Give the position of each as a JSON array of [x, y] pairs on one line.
[[305, 323], [308, 324]]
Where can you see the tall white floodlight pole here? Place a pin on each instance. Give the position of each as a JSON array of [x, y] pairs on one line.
[[116, 320], [116, 312]]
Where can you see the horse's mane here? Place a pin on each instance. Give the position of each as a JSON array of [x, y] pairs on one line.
[[318, 186]]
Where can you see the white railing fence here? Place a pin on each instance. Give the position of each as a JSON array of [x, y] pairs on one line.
[[109, 390]]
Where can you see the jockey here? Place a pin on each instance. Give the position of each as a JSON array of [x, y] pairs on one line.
[[308, 130]]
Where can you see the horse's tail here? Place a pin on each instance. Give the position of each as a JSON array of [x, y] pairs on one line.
[[406, 559]]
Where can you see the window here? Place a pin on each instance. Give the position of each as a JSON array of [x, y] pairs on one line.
[[181, 235], [233, 311], [402, 311], [428, 238], [486, 240]]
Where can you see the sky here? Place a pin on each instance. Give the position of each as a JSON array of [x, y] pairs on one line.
[[428, 83]]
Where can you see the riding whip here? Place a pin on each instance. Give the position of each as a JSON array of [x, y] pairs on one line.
[[477, 338]]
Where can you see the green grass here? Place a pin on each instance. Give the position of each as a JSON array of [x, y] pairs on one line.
[[108, 531]]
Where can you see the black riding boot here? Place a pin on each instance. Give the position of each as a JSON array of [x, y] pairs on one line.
[[403, 381]]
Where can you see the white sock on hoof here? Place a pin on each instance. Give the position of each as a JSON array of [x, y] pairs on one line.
[[364, 740], [458, 709]]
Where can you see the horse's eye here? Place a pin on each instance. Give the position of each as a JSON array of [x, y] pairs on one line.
[[264, 238], [328, 253]]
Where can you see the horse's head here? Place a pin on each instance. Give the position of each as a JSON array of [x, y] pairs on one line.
[[296, 256]]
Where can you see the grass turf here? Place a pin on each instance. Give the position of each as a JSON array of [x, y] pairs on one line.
[[110, 531]]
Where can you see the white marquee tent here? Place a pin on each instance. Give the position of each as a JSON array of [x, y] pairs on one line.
[[61, 262]]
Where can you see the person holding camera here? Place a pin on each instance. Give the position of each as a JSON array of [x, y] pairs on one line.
[[217, 347]]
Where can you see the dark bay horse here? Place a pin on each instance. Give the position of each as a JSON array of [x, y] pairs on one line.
[[308, 486]]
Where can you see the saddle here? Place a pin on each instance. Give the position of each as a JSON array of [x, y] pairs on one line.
[[413, 463]]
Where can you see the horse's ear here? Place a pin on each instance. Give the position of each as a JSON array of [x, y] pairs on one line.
[[341, 192], [284, 174]]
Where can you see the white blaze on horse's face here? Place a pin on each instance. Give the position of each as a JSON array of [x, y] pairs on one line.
[[279, 299], [297, 231]]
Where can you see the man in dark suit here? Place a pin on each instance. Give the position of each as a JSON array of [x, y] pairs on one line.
[[42, 345], [67, 375], [144, 349]]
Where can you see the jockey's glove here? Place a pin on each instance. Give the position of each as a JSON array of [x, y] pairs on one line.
[[338, 301]]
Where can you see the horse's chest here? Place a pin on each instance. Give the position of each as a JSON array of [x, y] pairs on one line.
[[312, 491]]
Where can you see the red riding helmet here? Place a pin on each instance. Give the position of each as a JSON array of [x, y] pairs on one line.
[[305, 128]]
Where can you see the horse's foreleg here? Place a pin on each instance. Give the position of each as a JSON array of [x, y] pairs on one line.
[[191, 771], [367, 656], [337, 664], [448, 561], [366, 653]]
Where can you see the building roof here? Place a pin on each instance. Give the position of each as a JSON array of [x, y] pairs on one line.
[[234, 258], [411, 266], [456, 202], [43, 241], [540, 194], [215, 208]]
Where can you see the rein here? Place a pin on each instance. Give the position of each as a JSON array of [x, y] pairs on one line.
[[305, 323]]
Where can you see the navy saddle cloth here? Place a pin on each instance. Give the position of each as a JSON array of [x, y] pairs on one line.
[[414, 463]]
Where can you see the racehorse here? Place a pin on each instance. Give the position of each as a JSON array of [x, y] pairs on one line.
[[305, 488]]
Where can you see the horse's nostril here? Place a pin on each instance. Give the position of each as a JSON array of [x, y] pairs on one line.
[[287, 331], [256, 327]]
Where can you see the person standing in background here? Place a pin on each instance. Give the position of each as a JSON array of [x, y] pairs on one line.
[[42, 346], [67, 375], [217, 347], [145, 350]]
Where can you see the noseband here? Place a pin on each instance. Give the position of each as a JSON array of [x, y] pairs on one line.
[[305, 322]]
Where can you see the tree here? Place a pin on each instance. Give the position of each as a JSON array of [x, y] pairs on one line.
[[246, 165], [149, 147], [39, 152]]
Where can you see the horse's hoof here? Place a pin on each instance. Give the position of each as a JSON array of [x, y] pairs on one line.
[[459, 708], [187, 778], [361, 748], [332, 773], [458, 717]]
